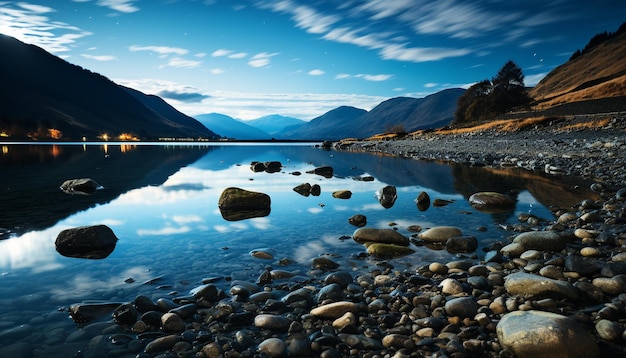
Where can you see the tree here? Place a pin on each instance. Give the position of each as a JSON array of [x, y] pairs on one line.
[[487, 99]]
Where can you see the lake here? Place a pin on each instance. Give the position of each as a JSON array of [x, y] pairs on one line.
[[161, 201]]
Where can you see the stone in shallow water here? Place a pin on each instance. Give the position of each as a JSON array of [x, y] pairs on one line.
[[342, 194], [491, 201], [440, 233], [89, 242], [388, 250], [530, 286], [536, 334], [382, 236], [239, 204], [541, 240]]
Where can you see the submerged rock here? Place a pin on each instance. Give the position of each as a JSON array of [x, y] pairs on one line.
[[89, 242], [239, 204], [491, 201], [382, 236], [84, 186], [388, 250]]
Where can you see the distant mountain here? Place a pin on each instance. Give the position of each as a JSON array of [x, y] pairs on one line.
[[599, 72], [274, 123], [43, 96], [325, 126], [231, 128], [433, 111]]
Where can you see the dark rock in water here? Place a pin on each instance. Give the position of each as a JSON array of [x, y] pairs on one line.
[[257, 167], [462, 244], [89, 242], [316, 190], [441, 202], [491, 201], [423, 201], [387, 196], [239, 204], [303, 189], [87, 312], [326, 172], [273, 167], [342, 194], [324, 263], [84, 186], [327, 144], [382, 236], [388, 250], [358, 220], [125, 314], [582, 265]]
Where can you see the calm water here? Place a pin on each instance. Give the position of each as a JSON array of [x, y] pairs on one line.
[[161, 202]]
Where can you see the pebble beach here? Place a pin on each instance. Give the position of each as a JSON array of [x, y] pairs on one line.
[[553, 288]]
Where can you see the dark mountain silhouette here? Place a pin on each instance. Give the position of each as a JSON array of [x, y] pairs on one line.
[[274, 123], [229, 127], [43, 96], [433, 111], [325, 126]]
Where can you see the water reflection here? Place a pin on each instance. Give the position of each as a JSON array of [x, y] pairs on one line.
[[162, 203]]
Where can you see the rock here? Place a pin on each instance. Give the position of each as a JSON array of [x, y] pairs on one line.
[[257, 167], [89, 242], [423, 201], [171, 322], [608, 330], [611, 285], [388, 250], [450, 286], [342, 194], [512, 250], [316, 190], [162, 343], [532, 334], [541, 240], [382, 236], [462, 244], [532, 286], [273, 166], [358, 341], [335, 310], [239, 204], [387, 196], [463, 307], [273, 347], [125, 314], [85, 186], [326, 172], [348, 319], [394, 341], [324, 263], [440, 233], [581, 265], [491, 201], [358, 220], [271, 321], [303, 189]]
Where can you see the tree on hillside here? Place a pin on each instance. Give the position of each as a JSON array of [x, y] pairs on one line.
[[487, 99]]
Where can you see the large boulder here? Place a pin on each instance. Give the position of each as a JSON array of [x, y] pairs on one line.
[[537, 334], [89, 242], [83, 186], [239, 204], [491, 201]]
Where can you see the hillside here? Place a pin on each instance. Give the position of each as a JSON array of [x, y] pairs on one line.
[[274, 123], [598, 73], [231, 128], [45, 97], [324, 127]]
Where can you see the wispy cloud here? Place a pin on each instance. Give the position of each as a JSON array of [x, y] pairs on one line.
[[316, 72], [162, 50], [229, 53], [126, 6], [180, 62], [261, 59], [367, 77], [103, 58], [29, 23]]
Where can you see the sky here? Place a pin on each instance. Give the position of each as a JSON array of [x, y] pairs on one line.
[[302, 58]]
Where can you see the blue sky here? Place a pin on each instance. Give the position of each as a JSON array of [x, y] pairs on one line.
[[250, 58]]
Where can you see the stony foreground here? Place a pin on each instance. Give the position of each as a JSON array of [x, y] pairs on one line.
[[549, 289]]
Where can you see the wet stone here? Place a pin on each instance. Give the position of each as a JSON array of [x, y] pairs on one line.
[[464, 307], [270, 321], [440, 233]]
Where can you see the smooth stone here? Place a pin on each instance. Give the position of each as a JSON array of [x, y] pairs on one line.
[[440, 233], [530, 255], [581, 265], [382, 236], [262, 254], [348, 319], [512, 250], [461, 244], [608, 330], [303, 189], [332, 291], [342, 194], [171, 322], [161, 344], [342, 278], [463, 307], [530, 286], [335, 309], [388, 250], [358, 341], [326, 172], [541, 240], [394, 341], [271, 321], [585, 234], [324, 263], [611, 285], [621, 257], [590, 252], [552, 272], [89, 242], [273, 347], [566, 218], [422, 201], [450, 286], [438, 268], [536, 334], [358, 220], [591, 217], [491, 201]]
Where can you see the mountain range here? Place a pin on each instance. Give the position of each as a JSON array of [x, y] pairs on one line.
[[43, 96]]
